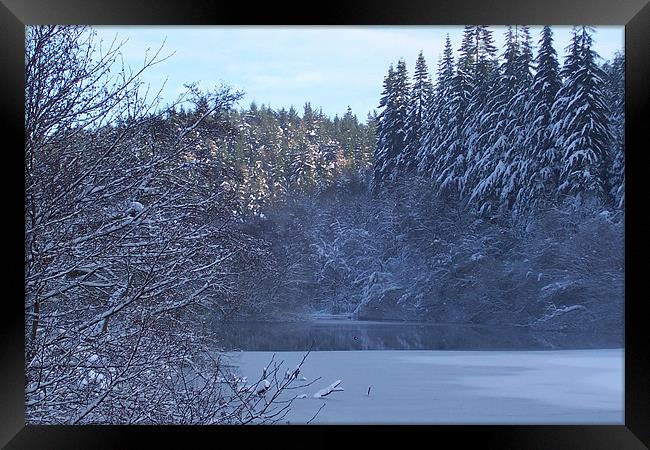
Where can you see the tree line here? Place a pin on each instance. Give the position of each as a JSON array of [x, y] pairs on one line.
[[265, 155], [509, 132]]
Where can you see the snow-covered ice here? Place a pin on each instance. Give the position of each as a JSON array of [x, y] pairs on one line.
[[483, 387]]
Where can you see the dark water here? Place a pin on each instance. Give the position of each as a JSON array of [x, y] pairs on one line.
[[341, 334]]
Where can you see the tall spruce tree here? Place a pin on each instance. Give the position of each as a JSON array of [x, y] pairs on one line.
[[384, 128], [451, 170], [615, 72], [485, 72], [438, 116], [525, 58], [542, 169], [581, 125], [392, 123], [420, 96], [368, 142], [494, 142], [513, 180], [480, 121]]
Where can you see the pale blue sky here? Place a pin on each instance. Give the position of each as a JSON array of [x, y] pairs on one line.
[[332, 67]]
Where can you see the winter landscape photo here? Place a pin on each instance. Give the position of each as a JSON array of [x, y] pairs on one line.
[[324, 225]]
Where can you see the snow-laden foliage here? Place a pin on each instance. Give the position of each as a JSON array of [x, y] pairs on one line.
[[494, 198], [275, 154], [615, 85], [541, 158], [581, 122], [437, 115], [420, 96], [392, 123], [512, 133], [130, 236], [409, 255]]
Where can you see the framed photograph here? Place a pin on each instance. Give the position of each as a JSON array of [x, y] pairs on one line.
[[380, 216]]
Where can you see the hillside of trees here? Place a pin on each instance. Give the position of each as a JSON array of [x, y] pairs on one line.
[[512, 132], [496, 196]]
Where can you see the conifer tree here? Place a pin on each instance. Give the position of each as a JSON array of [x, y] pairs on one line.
[[481, 113], [541, 170], [581, 126], [451, 169], [392, 123], [350, 140], [438, 116], [525, 58], [513, 180], [616, 99], [486, 64], [421, 91], [493, 144], [384, 130], [305, 154]]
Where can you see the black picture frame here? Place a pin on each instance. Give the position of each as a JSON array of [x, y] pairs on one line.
[[633, 14]]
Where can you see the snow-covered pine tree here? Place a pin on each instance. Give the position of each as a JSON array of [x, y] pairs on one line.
[[392, 123], [525, 59], [480, 59], [438, 116], [290, 133], [478, 127], [421, 91], [616, 99], [257, 145], [368, 142], [541, 170], [304, 154], [513, 180], [581, 122], [271, 154], [485, 72], [401, 103], [494, 142], [326, 148], [384, 128], [450, 171], [467, 57], [351, 140]]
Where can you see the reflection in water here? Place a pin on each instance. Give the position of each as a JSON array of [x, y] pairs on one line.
[[360, 335]]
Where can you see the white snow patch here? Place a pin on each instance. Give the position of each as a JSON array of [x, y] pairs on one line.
[[464, 387]]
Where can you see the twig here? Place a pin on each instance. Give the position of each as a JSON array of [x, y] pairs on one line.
[[314, 416]]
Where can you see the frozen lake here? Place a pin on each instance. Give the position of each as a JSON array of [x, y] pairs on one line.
[[463, 387], [437, 373]]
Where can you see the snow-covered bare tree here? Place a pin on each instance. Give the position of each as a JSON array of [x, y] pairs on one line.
[[128, 240]]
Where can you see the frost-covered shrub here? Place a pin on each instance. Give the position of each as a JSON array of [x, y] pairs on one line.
[[405, 254]]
